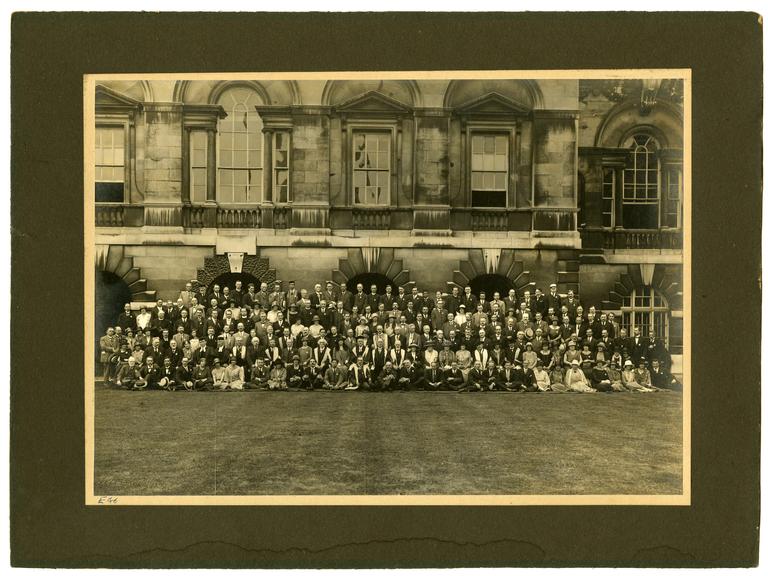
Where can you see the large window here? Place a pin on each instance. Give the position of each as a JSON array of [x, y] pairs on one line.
[[641, 183], [240, 149], [371, 161], [646, 309], [490, 170], [110, 164]]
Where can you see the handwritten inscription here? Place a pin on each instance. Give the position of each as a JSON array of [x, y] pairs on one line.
[[107, 500]]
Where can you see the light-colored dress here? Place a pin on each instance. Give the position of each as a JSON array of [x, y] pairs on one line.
[[234, 377], [542, 379], [219, 376], [629, 380], [277, 378], [576, 381]]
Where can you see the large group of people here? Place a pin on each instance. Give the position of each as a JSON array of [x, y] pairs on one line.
[[336, 338]]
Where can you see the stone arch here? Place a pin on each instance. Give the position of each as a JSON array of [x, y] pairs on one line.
[[209, 91], [360, 261], [526, 92], [665, 278], [112, 258], [664, 122], [215, 266], [220, 87], [492, 262], [338, 91]]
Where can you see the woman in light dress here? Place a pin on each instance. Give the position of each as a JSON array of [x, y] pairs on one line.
[[629, 379], [464, 359], [571, 354], [235, 375], [277, 376], [541, 377], [529, 356], [219, 375], [575, 380]]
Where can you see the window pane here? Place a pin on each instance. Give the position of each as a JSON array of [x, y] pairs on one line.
[[239, 195], [281, 159], [488, 145], [254, 159], [501, 145], [281, 177], [477, 161], [500, 182], [240, 159], [500, 163]]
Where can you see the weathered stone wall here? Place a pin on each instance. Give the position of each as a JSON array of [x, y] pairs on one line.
[[168, 268]]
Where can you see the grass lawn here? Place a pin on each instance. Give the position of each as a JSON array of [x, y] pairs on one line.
[[179, 443]]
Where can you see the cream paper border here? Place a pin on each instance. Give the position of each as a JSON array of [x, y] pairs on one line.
[[684, 499]]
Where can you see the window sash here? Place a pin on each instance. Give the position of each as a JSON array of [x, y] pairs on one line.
[[646, 309], [371, 167], [281, 169], [240, 154], [198, 166], [608, 198], [489, 169], [674, 188]]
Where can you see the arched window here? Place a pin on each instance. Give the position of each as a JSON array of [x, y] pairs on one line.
[[646, 309], [641, 183], [240, 157]]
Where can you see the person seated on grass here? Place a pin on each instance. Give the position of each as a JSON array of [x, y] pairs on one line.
[[183, 377], [277, 376], [335, 377], [505, 378], [476, 379], [295, 372], [541, 377], [201, 376], [219, 375], [387, 379], [233, 376], [433, 377], [629, 379], [151, 374], [601, 381], [408, 376], [614, 375], [556, 379], [129, 377], [167, 376], [575, 380], [312, 377], [305, 353], [259, 376], [529, 382], [492, 375], [453, 379], [660, 378]]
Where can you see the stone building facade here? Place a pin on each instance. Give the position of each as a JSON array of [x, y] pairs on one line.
[[493, 183]]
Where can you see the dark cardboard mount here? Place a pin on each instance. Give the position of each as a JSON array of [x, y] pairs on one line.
[[51, 526]]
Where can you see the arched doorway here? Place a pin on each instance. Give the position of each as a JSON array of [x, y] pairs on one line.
[[490, 283], [111, 293], [229, 279], [367, 279]]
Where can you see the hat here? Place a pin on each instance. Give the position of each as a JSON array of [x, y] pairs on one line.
[[571, 343], [539, 362], [529, 344], [277, 361], [429, 343], [628, 363], [587, 361], [601, 343], [295, 357], [553, 285], [413, 345], [446, 344], [574, 362], [642, 360], [462, 306]]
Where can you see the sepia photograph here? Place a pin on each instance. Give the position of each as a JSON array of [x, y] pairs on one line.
[[466, 288]]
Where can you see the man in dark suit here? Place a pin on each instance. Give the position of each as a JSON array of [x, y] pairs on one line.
[[477, 378], [553, 298], [656, 350], [126, 319], [345, 297], [639, 347], [433, 378], [183, 378], [201, 376], [453, 378]]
